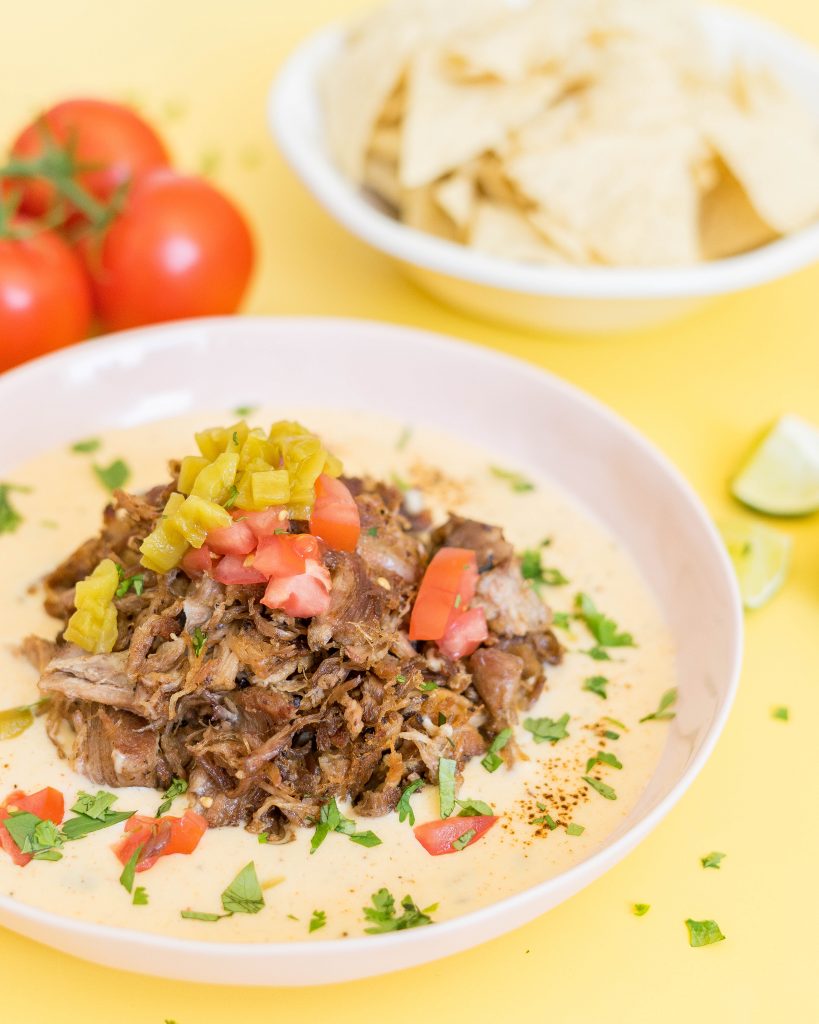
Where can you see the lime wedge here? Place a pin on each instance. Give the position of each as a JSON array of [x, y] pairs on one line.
[[781, 475], [761, 556]]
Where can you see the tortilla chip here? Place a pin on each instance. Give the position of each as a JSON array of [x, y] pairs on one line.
[[729, 225], [381, 178], [450, 122], [520, 42], [502, 230], [420, 210], [456, 197], [630, 197], [551, 128], [492, 182], [771, 145], [386, 143], [366, 72]]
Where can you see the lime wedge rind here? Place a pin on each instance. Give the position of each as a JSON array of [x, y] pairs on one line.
[[781, 475], [761, 557]]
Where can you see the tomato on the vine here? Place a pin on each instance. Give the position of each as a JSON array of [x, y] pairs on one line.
[[179, 248], [108, 135], [45, 299]]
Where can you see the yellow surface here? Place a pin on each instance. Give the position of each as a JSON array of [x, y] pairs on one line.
[[700, 390]]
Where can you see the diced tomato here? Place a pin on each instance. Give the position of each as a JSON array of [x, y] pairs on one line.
[[301, 596], [464, 634], [232, 570], [335, 515], [268, 522], [448, 586], [196, 561], [285, 554], [237, 539], [47, 804], [437, 837], [159, 837]]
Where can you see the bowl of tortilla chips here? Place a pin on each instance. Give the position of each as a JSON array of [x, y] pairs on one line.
[[568, 165]]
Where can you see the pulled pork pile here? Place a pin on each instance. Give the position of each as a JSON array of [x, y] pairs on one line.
[[267, 716]]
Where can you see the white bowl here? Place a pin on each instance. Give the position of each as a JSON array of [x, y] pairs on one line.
[[577, 299], [600, 460]]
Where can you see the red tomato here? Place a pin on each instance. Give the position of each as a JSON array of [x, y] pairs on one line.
[[237, 539], [301, 596], [335, 515], [47, 804], [45, 299], [285, 554], [232, 570], [448, 585], [464, 634], [437, 837], [268, 522], [195, 561], [179, 248], [106, 134], [159, 837]]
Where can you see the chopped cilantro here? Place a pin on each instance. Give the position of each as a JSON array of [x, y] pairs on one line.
[[472, 808], [572, 829], [198, 640], [668, 699], [596, 684], [94, 805], [382, 915], [781, 713], [87, 446], [93, 813], [446, 785], [605, 791], [198, 915], [244, 894], [516, 481], [372, 531], [405, 811], [604, 630], [547, 730], [244, 410], [616, 721], [367, 838], [703, 933], [609, 735], [318, 920], [464, 840], [140, 896], [10, 518], [400, 679], [126, 583], [597, 653], [403, 439], [113, 476], [640, 909], [532, 569], [545, 819], [602, 757], [712, 860], [126, 879], [561, 619], [428, 687], [176, 788], [492, 759], [33, 835], [441, 718], [332, 820], [263, 837], [233, 494]]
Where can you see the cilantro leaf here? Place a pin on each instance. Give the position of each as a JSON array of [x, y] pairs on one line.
[[597, 653], [34, 835], [126, 879], [94, 805], [446, 785], [176, 788], [318, 920], [703, 933], [403, 807], [596, 684], [244, 894], [492, 759], [198, 640], [383, 918], [198, 915], [332, 820], [126, 583], [516, 481], [545, 819], [242, 411], [668, 699], [616, 721], [10, 518], [532, 569], [472, 808], [547, 730], [712, 860], [464, 840], [604, 630], [561, 619], [113, 476], [781, 713], [368, 838], [603, 757], [140, 896], [91, 444], [83, 824], [605, 791], [609, 735], [640, 909], [428, 687], [572, 829]]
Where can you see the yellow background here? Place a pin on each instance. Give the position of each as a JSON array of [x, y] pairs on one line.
[[699, 389]]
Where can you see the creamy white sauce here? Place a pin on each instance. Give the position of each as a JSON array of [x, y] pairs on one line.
[[64, 507]]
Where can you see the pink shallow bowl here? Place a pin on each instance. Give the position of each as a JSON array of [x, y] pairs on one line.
[[509, 407]]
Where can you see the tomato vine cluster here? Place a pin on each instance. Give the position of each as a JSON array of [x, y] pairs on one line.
[[96, 227]]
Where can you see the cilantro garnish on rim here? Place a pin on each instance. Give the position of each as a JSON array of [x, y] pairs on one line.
[[383, 916]]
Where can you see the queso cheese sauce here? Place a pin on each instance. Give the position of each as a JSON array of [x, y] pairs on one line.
[[63, 508]]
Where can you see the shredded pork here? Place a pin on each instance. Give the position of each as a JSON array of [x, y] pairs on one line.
[[275, 715]]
